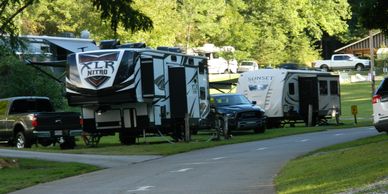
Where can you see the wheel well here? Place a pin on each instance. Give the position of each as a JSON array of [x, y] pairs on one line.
[[324, 65], [18, 128]]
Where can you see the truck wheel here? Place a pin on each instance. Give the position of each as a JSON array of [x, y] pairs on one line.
[[22, 141], [324, 68], [45, 142], [359, 67], [69, 143]]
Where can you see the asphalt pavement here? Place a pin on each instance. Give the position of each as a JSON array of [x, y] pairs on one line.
[[239, 168]]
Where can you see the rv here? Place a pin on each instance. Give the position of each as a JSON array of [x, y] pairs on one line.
[[136, 90], [286, 95]]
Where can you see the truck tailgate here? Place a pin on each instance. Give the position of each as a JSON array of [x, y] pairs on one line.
[[57, 121]]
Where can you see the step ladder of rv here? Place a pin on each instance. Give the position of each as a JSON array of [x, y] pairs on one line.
[[267, 99]]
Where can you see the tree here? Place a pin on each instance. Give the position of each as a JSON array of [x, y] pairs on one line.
[[122, 12], [9, 10], [287, 27], [116, 12], [18, 79], [373, 14]]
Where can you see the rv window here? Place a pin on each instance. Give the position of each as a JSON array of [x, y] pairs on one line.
[[291, 88], [323, 88], [173, 58], [333, 87], [202, 94]]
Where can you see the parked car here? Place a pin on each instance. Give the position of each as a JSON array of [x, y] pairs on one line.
[[242, 114], [380, 107], [288, 66], [342, 61], [31, 119], [247, 66]]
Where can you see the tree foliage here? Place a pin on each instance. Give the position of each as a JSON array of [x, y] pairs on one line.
[[122, 12], [373, 14], [9, 10], [18, 79]]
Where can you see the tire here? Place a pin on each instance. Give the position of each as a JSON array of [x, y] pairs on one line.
[[325, 68], [359, 67], [45, 142], [127, 139], [259, 129], [21, 141], [69, 143]]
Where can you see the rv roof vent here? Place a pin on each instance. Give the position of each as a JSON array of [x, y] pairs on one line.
[[133, 45], [109, 44], [170, 49]]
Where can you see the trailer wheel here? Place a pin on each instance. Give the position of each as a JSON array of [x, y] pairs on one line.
[[127, 139]]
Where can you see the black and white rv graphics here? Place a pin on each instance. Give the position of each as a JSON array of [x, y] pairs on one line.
[[131, 90], [286, 95]]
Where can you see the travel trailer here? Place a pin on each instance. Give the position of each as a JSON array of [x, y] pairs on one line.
[[216, 63], [286, 95], [136, 90]]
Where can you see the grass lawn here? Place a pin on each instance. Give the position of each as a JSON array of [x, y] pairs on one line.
[[354, 166], [27, 172]]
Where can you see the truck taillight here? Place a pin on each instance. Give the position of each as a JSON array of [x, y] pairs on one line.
[[376, 98], [34, 122], [81, 121]]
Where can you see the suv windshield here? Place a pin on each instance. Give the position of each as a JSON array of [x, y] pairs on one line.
[[229, 100]]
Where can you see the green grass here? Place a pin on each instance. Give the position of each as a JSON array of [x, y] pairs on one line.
[[359, 94], [337, 168], [30, 172]]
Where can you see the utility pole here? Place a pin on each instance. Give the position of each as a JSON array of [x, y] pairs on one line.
[[372, 61]]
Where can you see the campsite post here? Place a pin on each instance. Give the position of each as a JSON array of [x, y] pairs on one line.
[[354, 113]]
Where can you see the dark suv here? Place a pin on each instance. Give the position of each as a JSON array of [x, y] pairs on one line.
[[241, 113], [380, 107]]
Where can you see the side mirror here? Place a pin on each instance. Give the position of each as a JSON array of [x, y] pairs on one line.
[[254, 102]]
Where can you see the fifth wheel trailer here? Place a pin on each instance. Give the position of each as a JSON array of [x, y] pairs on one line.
[[133, 90], [286, 95]]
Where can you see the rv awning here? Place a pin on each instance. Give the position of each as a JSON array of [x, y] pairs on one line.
[[222, 85], [74, 45]]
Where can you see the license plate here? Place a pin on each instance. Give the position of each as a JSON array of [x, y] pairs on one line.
[[57, 132]]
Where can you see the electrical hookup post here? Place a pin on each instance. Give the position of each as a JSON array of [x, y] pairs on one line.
[[354, 113]]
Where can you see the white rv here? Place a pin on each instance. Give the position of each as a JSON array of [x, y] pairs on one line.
[[129, 90], [286, 95]]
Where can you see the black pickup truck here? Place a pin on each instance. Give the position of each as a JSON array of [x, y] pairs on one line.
[[31, 119]]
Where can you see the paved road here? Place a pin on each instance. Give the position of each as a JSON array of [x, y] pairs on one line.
[[97, 160], [240, 168]]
